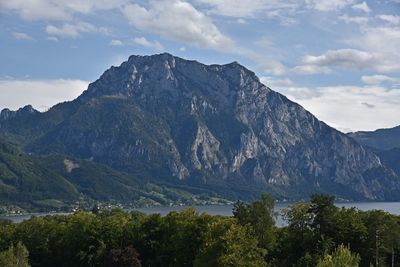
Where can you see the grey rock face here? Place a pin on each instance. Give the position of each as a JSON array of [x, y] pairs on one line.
[[25, 111], [212, 126], [385, 143]]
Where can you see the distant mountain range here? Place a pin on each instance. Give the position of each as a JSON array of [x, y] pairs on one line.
[[210, 130], [385, 143], [380, 140]]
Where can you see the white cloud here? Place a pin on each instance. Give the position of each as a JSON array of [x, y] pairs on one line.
[[90, 6], [350, 108], [276, 83], [268, 65], [383, 43], [234, 8], [362, 7], [354, 19], [381, 60], [178, 20], [383, 39], [52, 39], [281, 10], [378, 79], [22, 36], [41, 94], [265, 43], [73, 30], [138, 41], [267, 60], [32, 10], [349, 58], [311, 69], [116, 43], [146, 43], [56, 9], [328, 5], [246, 8], [391, 19]]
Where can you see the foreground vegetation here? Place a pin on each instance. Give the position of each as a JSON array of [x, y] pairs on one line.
[[317, 234]]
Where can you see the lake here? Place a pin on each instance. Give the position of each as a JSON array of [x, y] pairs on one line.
[[226, 210]]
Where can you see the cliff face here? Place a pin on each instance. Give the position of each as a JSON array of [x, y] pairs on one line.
[[385, 143], [211, 126]]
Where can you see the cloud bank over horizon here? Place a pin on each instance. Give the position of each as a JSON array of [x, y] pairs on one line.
[[41, 94]]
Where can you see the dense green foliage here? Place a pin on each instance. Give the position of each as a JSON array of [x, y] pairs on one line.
[[318, 227], [15, 256], [178, 239], [228, 244], [341, 257], [260, 216], [317, 234], [24, 181]]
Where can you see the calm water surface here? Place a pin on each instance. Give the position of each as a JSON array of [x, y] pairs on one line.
[[226, 210]]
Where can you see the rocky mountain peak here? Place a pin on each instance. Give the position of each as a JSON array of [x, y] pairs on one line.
[[26, 110], [165, 75], [5, 114]]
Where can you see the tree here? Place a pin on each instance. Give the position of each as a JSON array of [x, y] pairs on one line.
[[228, 244], [127, 257], [183, 235], [4, 222], [297, 240], [341, 257], [298, 216], [260, 216], [324, 225], [324, 209], [350, 229], [15, 256], [383, 237]]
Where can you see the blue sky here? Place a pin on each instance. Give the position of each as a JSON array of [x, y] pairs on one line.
[[340, 59]]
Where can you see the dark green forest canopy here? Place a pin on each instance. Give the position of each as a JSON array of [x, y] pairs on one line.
[[317, 234]]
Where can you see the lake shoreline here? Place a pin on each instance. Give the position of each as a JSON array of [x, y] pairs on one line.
[[222, 210]]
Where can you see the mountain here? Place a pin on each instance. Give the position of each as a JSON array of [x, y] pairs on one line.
[[381, 139], [205, 128], [391, 158], [24, 181], [60, 182], [385, 143]]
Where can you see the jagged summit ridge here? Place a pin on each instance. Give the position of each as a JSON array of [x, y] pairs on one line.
[[165, 72]]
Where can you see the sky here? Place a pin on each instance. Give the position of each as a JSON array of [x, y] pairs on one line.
[[339, 59]]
